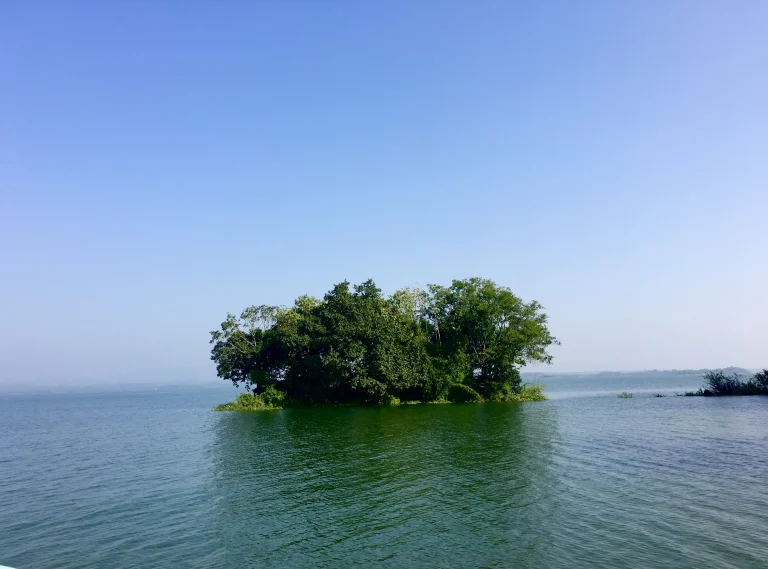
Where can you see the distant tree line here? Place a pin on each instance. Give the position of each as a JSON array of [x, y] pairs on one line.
[[464, 342], [718, 382]]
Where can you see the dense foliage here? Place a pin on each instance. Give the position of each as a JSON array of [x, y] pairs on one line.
[[465, 342], [719, 383]]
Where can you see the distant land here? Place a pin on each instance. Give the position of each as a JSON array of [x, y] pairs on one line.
[[645, 373]]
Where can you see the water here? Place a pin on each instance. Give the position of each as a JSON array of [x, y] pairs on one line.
[[155, 479]]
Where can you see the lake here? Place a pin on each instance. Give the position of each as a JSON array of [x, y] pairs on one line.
[[585, 480]]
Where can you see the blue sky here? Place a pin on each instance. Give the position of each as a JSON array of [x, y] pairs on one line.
[[163, 163]]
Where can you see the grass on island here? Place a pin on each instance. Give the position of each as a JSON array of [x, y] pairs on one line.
[[272, 399], [718, 383]]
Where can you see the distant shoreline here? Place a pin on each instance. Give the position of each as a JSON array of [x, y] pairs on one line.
[[660, 372]]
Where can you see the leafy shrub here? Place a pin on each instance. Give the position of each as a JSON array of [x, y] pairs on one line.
[[758, 385], [459, 393], [530, 392], [527, 392], [501, 391], [761, 379], [721, 384], [271, 398]]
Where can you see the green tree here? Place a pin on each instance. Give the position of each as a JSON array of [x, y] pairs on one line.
[[487, 333], [241, 348], [371, 348]]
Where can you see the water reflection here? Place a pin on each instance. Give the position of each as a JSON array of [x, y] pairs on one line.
[[401, 487]]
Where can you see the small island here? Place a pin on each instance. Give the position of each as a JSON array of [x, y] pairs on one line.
[[456, 344], [721, 383]]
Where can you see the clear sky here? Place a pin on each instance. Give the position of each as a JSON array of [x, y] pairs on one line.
[[165, 162]]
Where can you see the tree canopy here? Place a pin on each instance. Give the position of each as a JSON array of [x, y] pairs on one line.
[[463, 342]]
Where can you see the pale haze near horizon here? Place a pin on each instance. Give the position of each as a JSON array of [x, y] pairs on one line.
[[162, 164]]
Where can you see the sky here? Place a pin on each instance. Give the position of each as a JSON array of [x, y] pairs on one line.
[[163, 163]]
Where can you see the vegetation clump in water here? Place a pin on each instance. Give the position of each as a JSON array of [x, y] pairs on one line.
[[625, 395], [269, 399], [718, 383], [462, 343]]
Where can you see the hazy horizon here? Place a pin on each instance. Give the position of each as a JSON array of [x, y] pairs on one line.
[[205, 379], [163, 165]]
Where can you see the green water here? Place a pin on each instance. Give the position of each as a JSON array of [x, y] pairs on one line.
[[158, 480]]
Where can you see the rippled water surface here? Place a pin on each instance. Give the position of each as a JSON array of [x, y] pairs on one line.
[[155, 479]]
